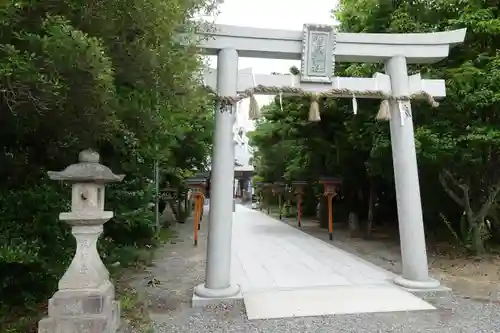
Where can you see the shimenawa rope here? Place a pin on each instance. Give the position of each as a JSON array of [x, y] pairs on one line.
[[314, 113]]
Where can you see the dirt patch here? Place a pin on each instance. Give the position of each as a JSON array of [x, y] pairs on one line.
[[179, 266], [167, 286], [475, 278]]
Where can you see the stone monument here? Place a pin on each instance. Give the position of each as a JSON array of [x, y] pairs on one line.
[[85, 299]]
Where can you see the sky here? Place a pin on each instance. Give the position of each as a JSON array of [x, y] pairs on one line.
[[271, 14]]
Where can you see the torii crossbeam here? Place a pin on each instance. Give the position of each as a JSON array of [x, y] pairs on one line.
[[319, 47], [378, 83]]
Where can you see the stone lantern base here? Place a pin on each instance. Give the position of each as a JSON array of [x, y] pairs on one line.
[[82, 311]]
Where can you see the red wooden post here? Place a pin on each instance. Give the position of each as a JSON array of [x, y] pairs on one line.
[[198, 209], [330, 216], [198, 184], [330, 190], [197, 216]]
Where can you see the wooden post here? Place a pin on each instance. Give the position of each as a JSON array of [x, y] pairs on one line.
[[198, 185], [201, 199], [330, 216], [198, 205], [186, 205], [279, 206], [195, 221], [330, 191], [299, 209]]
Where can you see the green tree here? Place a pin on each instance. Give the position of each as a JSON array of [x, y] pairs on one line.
[[105, 75], [457, 143]]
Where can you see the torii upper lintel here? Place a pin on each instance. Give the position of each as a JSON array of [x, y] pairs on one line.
[[349, 47]]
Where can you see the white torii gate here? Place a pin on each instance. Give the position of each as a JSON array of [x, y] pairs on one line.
[[319, 47]]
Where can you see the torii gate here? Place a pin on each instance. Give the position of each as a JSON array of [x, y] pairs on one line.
[[319, 47]]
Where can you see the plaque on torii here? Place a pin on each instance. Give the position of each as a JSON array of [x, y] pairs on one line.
[[318, 60]]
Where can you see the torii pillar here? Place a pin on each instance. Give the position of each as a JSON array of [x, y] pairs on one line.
[[404, 158], [217, 284]]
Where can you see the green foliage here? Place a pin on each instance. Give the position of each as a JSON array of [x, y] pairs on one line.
[[111, 76], [457, 143]]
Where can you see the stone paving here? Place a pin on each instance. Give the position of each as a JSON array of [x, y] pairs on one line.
[[284, 272], [180, 266], [270, 255]]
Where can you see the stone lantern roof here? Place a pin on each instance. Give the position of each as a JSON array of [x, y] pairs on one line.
[[196, 180], [88, 169]]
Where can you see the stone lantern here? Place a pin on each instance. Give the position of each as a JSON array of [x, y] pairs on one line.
[[85, 300], [197, 183], [299, 186], [170, 192], [260, 193]]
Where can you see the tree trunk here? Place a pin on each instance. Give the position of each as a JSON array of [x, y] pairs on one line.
[[371, 208], [180, 213], [477, 238], [471, 224], [323, 212], [494, 224], [354, 231]]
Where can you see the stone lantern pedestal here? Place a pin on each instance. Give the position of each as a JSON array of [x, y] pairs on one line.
[[85, 299]]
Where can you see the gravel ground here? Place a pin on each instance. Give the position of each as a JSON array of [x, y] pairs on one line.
[[180, 266]]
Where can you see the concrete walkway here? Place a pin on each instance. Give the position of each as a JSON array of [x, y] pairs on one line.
[[284, 272], [179, 266]]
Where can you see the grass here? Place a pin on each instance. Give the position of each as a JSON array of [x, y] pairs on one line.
[[274, 211], [134, 307], [125, 261]]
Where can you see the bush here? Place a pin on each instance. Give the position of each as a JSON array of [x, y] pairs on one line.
[[35, 247], [73, 77]]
